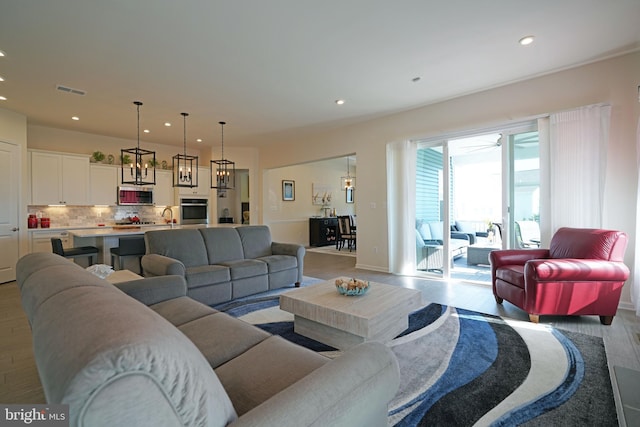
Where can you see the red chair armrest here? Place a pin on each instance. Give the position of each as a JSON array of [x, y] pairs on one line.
[[516, 256], [572, 270]]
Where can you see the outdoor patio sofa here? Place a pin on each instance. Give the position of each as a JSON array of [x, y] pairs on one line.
[[429, 245]]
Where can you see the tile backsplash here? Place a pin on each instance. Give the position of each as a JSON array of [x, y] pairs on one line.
[[91, 216]]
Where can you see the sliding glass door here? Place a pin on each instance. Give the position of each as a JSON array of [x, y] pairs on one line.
[[475, 194], [523, 213]]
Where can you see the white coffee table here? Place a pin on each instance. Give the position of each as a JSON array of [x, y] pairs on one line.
[[321, 313], [480, 254], [120, 276]]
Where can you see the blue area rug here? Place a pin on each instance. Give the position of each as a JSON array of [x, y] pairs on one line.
[[463, 368]]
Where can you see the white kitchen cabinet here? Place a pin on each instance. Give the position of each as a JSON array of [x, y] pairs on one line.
[[59, 179], [163, 190], [202, 190], [104, 185]]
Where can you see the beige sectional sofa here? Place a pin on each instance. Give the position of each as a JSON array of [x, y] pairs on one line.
[[223, 263], [145, 354]]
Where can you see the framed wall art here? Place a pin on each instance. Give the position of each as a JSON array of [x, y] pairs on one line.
[[349, 194], [288, 190]]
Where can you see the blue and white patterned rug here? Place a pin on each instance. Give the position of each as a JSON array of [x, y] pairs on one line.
[[463, 368]]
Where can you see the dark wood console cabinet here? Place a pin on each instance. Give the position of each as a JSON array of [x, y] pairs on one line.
[[322, 231]]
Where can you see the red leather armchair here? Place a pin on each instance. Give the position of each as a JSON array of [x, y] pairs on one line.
[[581, 273]]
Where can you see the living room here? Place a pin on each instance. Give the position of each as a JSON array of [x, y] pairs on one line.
[[612, 79]]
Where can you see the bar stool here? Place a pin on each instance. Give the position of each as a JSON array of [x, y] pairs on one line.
[[88, 251], [128, 247]]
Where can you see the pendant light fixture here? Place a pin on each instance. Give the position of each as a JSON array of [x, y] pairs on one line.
[[223, 171], [185, 168], [140, 165], [348, 181]]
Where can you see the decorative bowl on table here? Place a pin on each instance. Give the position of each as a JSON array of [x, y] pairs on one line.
[[352, 287]]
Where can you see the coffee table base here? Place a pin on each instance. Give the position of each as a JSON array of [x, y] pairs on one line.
[[341, 339]]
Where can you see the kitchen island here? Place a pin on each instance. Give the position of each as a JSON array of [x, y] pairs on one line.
[[106, 238]]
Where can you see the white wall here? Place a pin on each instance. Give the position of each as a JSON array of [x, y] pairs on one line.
[[613, 81], [289, 220]]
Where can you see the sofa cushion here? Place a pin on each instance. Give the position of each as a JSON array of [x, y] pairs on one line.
[[279, 262], [266, 369], [186, 245], [221, 337], [513, 274], [424, 230], [243, 268], [206, 274], [223, 244], [74, 277], [256, 240], [471, 227], [181, 310]]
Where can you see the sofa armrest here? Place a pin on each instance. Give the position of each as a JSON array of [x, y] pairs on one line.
[[461, 236], [499, 258], [351, 390], [160, 265], [292, 249], [152, 290], [575, 270]]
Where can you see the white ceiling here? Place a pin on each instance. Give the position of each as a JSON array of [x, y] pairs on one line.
[[269, 67]]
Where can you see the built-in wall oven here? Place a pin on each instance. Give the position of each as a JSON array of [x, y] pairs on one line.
[[194, 211]]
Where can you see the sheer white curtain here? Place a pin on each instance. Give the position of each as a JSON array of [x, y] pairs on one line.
[[401, 200], [578, 148], [635, 289]]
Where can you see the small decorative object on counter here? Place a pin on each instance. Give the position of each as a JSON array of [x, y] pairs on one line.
[[352, 287], [45, 222], [97, 157], [32, 221]]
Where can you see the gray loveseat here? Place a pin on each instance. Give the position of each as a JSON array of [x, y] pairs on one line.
[[223, 263], [145, 354]]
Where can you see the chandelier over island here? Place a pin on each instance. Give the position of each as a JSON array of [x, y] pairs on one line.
[[185, 167], [223, 171], [139, 164]]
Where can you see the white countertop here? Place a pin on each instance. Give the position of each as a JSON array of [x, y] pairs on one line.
[[110, 232]]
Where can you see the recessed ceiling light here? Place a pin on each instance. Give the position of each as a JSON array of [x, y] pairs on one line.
[[1, 53], [75, 118], [1, 79], [526, 40], [167, 124], [146, 131], [339, 101], [199, 140], [2, 98]]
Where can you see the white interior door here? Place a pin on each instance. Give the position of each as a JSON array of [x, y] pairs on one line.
[[9, 173]]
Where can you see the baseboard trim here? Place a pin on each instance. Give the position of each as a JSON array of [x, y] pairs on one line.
[[372, 268]]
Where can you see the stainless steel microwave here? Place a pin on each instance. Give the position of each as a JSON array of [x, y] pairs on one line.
[[131, 195]]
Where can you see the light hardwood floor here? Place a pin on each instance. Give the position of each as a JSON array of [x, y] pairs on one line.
[[20, 384]]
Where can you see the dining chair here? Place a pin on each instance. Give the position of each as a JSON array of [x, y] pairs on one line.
[[83, 251]]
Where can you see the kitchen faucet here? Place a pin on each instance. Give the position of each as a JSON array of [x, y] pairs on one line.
[[170, 216]]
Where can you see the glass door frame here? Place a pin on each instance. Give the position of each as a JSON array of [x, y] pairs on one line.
[[507, 160]]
